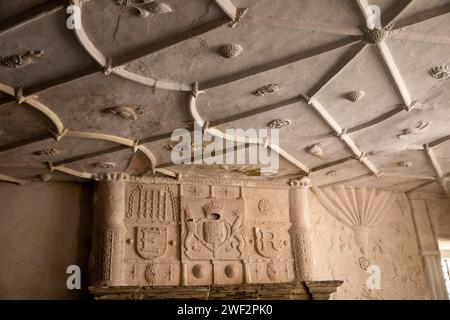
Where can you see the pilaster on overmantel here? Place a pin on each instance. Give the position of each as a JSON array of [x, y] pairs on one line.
[[300, 231]]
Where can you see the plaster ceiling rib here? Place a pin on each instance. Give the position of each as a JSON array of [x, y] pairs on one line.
[[441, 177], [35, 104], [342, 134], [61, 132], [31, 14], [423, 16], [11, 179], [229, 9], [278, 63], [217, 133], [168, 134], [142, 52], [386, 54], [341, 65], [117, 65]]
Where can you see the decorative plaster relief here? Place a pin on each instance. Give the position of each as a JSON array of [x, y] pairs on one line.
[[406, 133], [264, 206], [213, 231], [146, 8], [315, 150], [21, 60], [125, 112], [151, 242], [271, 271], [231, 271], [356, 96], [150, 274], [46, 152], [335, 173], [376, 36], [152, 204], [230, 51], [405, 164], [440, 72], [104, 165], [268, 89], [279, 123]]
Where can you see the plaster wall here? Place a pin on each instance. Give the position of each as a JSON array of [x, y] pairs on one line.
[[43, 229], [393, 246]]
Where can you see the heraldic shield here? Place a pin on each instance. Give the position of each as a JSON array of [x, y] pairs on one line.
[[151, 242]]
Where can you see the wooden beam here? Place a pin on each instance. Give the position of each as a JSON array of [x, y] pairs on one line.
[[395, 11], [377, 120], [332, 164], [22, 143], [423, 16], [31, 14], [278, 63], [170, 41]]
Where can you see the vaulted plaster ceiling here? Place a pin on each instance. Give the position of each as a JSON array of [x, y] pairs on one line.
[[375, 103]]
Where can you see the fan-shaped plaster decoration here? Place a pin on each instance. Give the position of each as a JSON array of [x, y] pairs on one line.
[[360, 209]]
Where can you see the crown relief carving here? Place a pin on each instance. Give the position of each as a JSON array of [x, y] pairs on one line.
[[145, 8], [440, 72], [230, 51], [267, 89], [21, 60]]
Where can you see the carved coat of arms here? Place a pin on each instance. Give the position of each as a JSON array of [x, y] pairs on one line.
[[151, 242], [212, 230]]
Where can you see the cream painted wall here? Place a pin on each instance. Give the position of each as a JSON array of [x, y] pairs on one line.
[[43, 229]]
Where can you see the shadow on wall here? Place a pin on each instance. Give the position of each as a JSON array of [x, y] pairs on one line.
[[44, 228]]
